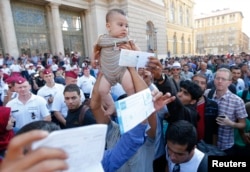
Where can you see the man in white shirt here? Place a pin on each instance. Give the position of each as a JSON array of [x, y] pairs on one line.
[[49, 90], [27, 107], [87, 82], [16, 68]]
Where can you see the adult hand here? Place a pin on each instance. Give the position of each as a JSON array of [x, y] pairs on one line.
[[39, 160], [95, 58], [225, 121], [146, 75], [161, 100], [50, 100], [155, 67], [129, 46], [246, 138]]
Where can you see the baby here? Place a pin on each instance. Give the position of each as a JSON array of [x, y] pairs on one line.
[[117, 26]]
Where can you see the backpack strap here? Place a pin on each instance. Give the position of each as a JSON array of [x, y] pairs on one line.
[[244, 95], [211, 93]]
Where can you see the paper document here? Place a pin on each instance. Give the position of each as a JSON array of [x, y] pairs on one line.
[[136, 59], [84, 146], [133, 109]]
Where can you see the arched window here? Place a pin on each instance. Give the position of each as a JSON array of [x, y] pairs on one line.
[[172, 10], [151, 37], [181, 15], [72, 32], [189, 46], [174, 45], [187, 18], [31, 28]]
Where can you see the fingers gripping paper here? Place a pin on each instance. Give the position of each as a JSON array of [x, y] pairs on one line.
[[84, 146]]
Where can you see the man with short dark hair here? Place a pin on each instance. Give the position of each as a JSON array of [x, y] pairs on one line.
[[184, 106], [181, 151], [207, 128], [236, 79], [77, 115], [59, 106]]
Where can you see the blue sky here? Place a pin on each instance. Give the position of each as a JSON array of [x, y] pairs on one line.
[[206, 6]]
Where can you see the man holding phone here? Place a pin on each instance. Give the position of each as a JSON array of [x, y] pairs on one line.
[[232, 112]]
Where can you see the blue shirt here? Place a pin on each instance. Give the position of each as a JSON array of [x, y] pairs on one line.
[[125, 148]]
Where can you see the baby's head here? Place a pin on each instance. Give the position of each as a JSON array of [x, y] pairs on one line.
[[117, 23]]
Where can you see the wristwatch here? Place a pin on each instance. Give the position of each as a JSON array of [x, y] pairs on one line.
[[162, 78]]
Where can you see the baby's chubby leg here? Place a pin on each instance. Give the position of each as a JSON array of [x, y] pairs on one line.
[[108, 102], [132, 81]]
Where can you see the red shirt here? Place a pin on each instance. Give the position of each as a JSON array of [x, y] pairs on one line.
[[201, 123]]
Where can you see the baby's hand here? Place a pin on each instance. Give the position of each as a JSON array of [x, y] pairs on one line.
[[130, 45]]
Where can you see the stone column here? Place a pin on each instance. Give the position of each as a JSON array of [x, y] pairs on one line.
[[9, 39], [52, 47], [56, 26]]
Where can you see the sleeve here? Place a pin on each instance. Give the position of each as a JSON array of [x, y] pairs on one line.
[[167, 86], [56, 105], [44, 111], [125, 148]]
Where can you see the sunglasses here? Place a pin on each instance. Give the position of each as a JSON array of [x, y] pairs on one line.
[[176, 69]]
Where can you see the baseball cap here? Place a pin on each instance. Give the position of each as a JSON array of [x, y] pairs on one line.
[[176, 65], [20, 80], [71, 74], [47, 71]]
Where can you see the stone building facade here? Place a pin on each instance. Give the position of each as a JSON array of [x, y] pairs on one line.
[[40, 26], [180, 28], [220, 32]]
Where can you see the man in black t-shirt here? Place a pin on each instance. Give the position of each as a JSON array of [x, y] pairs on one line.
[[79, 114]]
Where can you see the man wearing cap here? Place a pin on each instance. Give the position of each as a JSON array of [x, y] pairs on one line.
[[176, 74], [27, 107], [59, 106], [11, 93], [87, 82], [49, 90]]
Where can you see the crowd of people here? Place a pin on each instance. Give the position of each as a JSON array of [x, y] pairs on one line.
[[201, 98]]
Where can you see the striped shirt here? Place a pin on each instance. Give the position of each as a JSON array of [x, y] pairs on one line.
[[232, 106]]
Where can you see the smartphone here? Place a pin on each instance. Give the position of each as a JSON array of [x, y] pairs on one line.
[[222, 116]]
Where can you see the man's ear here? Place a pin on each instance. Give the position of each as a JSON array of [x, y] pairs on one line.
[[193, 102]]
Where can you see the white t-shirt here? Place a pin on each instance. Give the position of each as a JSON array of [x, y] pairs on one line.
[[1, 61], [6, 70], [35, 109], [47, 92], [15, 68], [191, 165], [54, 67], [87, 83], [3, 90]]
